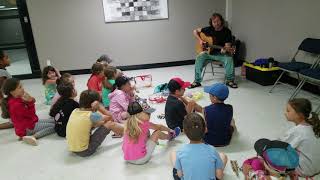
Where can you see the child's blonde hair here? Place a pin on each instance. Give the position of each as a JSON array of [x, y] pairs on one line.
[[132, 127]]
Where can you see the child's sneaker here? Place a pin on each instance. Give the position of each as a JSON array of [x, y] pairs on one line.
[[30, 140], [174, 133]]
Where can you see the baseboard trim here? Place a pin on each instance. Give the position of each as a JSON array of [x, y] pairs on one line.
[[136, 67]]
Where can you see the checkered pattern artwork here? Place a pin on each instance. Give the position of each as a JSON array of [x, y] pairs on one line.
[[134, 10]]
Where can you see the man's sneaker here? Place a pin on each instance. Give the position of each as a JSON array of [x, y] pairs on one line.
[[174, 133], [30, 140]]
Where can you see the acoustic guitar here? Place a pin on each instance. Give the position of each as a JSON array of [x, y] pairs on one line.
[[208, 45]]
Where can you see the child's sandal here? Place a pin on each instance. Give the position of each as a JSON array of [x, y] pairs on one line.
[[232, 84]]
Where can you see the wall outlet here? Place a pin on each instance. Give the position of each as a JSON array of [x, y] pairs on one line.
[[48, 62]]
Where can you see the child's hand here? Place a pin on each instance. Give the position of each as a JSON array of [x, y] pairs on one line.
[[26, 97], [57, 73], [95, 105]]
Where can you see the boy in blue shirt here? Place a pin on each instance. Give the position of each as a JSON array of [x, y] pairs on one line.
[[197, 160], [218, 116]]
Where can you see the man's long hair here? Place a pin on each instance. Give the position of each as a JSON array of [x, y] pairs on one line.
[[216, 15]]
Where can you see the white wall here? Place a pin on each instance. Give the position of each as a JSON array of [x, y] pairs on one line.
[[72, 33], [273, 28]]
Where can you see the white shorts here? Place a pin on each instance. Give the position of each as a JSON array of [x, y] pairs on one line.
[[150, 146]]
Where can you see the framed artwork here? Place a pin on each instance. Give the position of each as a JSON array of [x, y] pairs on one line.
[[134, 10]]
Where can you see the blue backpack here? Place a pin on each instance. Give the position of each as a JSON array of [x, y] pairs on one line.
[[281, 156]]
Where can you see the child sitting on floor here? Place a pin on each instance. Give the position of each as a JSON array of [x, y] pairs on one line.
[[138, 144], [49, 78], [20, 107], [110, 73], [63, 108], [177, 107], [65, 78], [120, 99], [96, 79], [83, 120], [218, 116], [304, 137], [105, 60], [4, 74], [197, 160]]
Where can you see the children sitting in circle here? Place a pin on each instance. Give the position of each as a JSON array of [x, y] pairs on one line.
[[49, 78], [87, 123]]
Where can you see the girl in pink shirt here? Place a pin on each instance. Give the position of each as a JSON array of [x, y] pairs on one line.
[[120, 99], [138, 145]]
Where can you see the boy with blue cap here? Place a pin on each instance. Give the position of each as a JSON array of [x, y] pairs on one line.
[[218, 116]]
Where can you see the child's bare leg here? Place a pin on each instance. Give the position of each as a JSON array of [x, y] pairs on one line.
[[224, 159], [156, 135], [106, 118], [6, 125], [115, 127]]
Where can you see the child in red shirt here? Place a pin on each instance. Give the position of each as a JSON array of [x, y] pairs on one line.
[[19, 106], [96, 79]]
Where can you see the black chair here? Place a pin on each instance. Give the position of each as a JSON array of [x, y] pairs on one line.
[[214, 64], [308, 45], [311, 76]]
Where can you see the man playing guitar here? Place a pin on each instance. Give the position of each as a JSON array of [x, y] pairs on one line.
[[221, 36]]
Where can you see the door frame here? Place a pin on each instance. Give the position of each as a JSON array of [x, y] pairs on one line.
[[23, 16]]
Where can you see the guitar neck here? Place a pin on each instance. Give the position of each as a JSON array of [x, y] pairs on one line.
[[216, 47]]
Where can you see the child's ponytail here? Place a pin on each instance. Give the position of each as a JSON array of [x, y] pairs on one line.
[[132, 128], [8, 86], [315, 123], [4, 108]]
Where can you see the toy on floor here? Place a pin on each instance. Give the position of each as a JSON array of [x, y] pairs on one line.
[[253, 168], [161, 116], [157, 98], [195, 95], [160, 99], [235, 167], [161, 88], [143, 81]]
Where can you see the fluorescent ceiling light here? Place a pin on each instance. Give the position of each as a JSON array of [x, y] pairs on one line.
[[2, 7]]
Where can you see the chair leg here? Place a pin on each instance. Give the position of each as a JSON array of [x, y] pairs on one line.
[[204, 70], [298, 88], [274, 85], [212, 69]]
